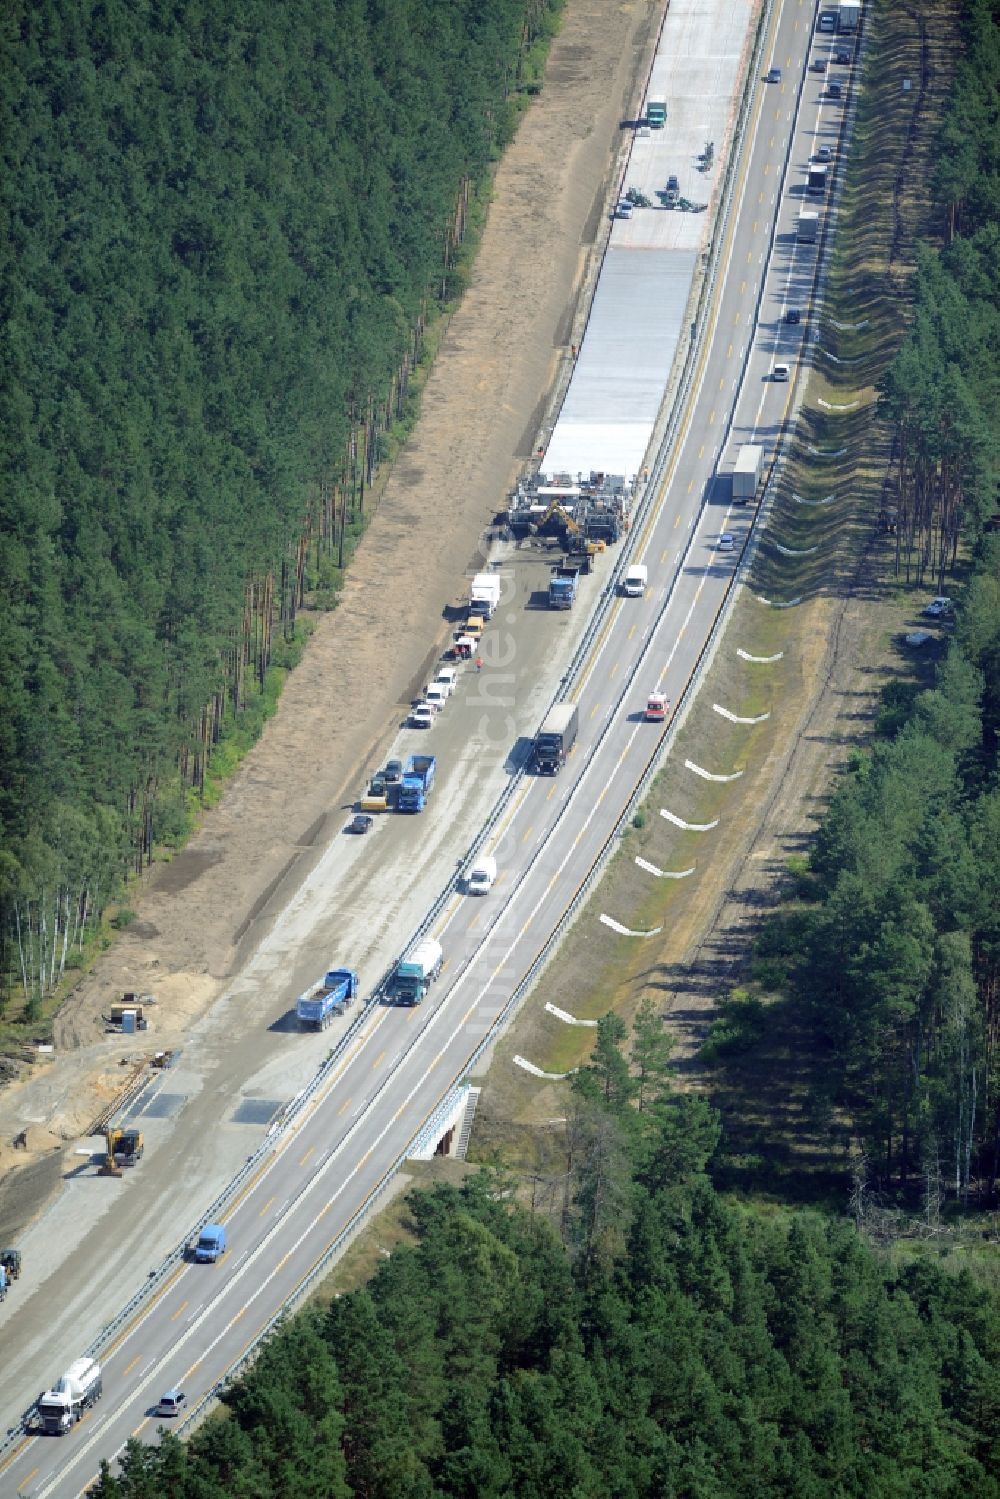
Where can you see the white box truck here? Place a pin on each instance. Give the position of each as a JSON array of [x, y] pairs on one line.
[[746, 473], [635, 580], [808, 226], [849, 15], [484, 595]]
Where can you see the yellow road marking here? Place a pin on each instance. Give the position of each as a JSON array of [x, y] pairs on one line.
[[475, 921], [614, 669], [631, 632], [27, 1480], [308, 1153], [265, 1207], [378, 1059], [527, 834], [129, 1367], [181, 1307], [344, 1107]]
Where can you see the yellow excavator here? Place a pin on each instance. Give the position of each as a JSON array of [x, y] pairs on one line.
[[582, 546], [123, 1147]]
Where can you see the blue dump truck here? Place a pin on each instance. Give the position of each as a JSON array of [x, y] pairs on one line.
[[318, 1005], [415, 787], [417, 971], [210, 1244], [563, 585], [555, 739]]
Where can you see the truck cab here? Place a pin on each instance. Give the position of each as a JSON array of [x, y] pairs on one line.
[[657, 707]]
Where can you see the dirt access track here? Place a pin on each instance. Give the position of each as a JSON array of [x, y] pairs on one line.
[[200, 916]]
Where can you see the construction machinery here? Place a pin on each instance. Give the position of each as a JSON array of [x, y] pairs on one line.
[[581, 546], [123, 1147], [596, 508]]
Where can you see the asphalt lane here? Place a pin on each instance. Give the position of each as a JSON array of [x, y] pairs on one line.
[[331, 1164]]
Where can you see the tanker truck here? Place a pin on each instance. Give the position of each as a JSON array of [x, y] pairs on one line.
[[79, 1389]]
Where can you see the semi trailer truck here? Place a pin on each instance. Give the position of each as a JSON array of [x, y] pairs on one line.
[[78, 1389], [417, 971], [418, 779], [555, 739]]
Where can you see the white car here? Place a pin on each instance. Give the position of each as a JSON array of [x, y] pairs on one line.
[[447, 678], [937, 607], [781, 373], [727, 541], [435, 696], [421, 716], [172, 1403]]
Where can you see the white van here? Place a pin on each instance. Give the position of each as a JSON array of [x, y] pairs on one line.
[[635, 580], [436, 696], [482, 875], [447, 678]]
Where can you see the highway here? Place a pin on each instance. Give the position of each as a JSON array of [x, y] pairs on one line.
[[339, 1152]]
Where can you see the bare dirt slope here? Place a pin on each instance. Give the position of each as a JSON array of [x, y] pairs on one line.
[[200, 916]]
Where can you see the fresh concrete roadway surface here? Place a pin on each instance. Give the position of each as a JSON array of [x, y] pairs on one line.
[[325, 1169]]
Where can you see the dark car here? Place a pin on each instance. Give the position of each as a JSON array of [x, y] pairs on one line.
[[819, 65], [360, 823], [843, 57], [393, 772], [793, 315]]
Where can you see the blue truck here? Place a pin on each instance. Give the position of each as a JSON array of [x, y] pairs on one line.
[[318, 1005], [210, 1244], [415, 787], [563, 585]]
